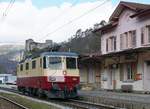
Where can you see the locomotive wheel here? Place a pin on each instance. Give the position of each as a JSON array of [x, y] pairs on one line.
[[40, 93]]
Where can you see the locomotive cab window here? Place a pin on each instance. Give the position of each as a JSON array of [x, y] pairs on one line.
[[33, 64], [55, 63], [71, 63]]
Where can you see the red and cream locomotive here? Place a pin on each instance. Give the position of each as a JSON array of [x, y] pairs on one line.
[[54, 74]]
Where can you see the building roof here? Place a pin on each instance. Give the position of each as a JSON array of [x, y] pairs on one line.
[[127, 51], [107, 26], [137, 7], [71, 54], [113, 20], [141, 13]]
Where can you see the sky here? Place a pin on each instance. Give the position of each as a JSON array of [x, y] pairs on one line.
[[57, 20]]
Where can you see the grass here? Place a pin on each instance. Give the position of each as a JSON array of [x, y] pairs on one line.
[[27, 102]]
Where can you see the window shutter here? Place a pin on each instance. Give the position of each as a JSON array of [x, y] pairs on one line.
[[145, 35], [107, 45], [121, 43], [142, 35], [134, 38], [148, 29], [115, 43]]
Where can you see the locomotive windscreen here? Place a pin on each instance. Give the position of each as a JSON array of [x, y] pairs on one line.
[[55, 63], [71, 63]]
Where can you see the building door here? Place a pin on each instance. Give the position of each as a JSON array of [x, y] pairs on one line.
[[111, 79], [147, 76], [91, 75]]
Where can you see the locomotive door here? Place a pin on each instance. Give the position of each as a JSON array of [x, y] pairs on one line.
[[41, 72]]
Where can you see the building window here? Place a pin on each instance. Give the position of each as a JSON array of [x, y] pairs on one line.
[[132, 36], [145, 35], [148, 29], [121, 41], [129, 72], [111, 44], [107, 45], [33, 64], [115, 43], [27, 66], [21, 67], [128, 40], [142, 35]]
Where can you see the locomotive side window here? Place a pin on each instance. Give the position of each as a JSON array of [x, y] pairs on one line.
[[40, 62], [33, 64], [55, 63], [21, 67], [44, 62], [71, 63], [27, 66]]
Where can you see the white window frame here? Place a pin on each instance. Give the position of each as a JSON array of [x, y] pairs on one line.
[[111, 44]]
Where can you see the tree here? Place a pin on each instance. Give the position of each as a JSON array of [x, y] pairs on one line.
[[103, 22]]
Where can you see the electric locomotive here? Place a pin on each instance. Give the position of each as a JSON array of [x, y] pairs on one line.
[[54, 74]]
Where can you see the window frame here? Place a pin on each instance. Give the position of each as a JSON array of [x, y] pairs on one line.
[[55, 65], [145, 35], [27, 66], [112, 43], [75, 64], [34, 64], [128, 40], [21, 67], [129, 71]]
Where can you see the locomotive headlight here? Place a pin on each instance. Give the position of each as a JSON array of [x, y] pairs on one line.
[[52, 78], [64, 72]]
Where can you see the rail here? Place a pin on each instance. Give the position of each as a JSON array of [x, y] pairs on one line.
[[13, 102]]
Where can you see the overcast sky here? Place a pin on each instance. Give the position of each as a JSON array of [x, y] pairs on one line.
[[40, 19]]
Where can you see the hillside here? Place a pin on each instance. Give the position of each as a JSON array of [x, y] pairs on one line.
[[9, 57], [9, 47]]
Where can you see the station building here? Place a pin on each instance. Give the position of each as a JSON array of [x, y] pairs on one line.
[[89, 68], [125, 48]]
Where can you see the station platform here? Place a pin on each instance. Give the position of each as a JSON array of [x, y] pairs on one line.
[[120, 99]]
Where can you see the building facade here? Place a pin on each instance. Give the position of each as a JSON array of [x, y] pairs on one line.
[[89, 69], [125, 47], [7, 79]]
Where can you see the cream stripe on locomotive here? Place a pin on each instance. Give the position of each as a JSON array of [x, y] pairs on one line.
[[39, 71], [50, 73]]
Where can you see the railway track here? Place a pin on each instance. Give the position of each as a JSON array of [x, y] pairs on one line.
[[79, 104], [15, 104], [71, 103], [92, 105]]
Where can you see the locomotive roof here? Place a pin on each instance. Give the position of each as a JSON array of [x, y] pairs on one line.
[[67, 54], [59, 54]]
